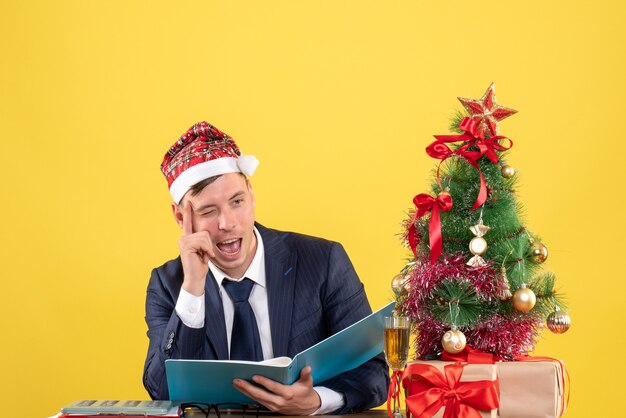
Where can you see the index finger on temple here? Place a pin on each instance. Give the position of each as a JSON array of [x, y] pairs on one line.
[[187, 221]]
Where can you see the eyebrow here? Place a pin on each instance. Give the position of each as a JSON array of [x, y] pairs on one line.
[[210, 205]]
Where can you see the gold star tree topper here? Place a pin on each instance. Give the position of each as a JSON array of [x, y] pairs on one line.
[[486, 111]]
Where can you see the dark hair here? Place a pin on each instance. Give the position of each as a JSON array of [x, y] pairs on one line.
[[197, 188]]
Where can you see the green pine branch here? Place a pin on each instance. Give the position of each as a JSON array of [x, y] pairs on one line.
[[455, 302]]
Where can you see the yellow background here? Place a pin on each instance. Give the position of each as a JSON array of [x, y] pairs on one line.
[[338, 100]]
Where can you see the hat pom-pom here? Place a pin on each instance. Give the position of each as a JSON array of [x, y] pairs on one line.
[[247, 164]]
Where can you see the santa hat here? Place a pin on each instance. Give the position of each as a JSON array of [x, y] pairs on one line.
[[202, 152]]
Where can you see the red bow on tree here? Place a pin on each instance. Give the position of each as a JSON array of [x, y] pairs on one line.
[[425, 203], [430, 390], [475, 146]]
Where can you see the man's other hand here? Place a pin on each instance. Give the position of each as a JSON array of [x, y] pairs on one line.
[[297, 399]]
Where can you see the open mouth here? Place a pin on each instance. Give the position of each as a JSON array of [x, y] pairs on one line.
[[230, 247]]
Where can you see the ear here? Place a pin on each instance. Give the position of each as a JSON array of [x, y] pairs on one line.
[[177, 211]]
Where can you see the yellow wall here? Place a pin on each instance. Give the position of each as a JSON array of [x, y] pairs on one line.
[[338, 100]]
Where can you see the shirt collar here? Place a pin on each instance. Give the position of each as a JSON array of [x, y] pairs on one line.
[[254, 269]]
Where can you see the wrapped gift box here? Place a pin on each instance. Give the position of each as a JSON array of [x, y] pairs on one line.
[[531, 389], [415, 384]]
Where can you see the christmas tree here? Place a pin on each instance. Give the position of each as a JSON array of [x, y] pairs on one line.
[[476, 274]]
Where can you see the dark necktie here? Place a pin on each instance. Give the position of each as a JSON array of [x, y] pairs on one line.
[[245, 343]]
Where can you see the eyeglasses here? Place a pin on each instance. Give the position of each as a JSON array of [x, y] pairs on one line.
[[203, 410]]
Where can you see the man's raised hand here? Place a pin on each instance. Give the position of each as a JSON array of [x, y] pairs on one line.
[[196, 249]]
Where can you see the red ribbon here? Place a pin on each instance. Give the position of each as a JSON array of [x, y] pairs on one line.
[[394, 391], [430, 390], [470, 355], [425, 203], [473, 138]]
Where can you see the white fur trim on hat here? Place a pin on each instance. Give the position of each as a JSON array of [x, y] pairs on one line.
[[247, 164], [193, 175]]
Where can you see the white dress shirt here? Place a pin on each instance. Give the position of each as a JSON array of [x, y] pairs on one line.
[[190, 309]]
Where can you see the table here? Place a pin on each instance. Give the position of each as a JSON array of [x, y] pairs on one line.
[[375, 413], [227, 414]]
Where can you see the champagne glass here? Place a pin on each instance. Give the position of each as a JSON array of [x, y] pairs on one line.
[[397, 330]]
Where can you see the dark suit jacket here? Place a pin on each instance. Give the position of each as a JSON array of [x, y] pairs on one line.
[[313, 292]]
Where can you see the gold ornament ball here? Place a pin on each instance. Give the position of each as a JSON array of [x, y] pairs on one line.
[[524, 299], [558, 321], [397, 284], [507, 171], [453, 341], [538, 252], [478, 246]]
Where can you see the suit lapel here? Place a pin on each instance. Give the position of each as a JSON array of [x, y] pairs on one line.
[[214, 318], [280, 270]]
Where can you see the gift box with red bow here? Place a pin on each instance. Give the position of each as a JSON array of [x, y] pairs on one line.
[[532, 387], [450, 390]]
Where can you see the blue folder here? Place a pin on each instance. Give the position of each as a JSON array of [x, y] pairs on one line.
[[210, 381]]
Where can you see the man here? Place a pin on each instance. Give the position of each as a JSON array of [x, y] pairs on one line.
[[299, 290]]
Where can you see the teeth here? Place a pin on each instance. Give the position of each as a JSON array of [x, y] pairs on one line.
[[230, 247]]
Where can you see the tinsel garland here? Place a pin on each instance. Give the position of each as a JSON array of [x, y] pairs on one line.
[[425, 276], [505, 337]]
